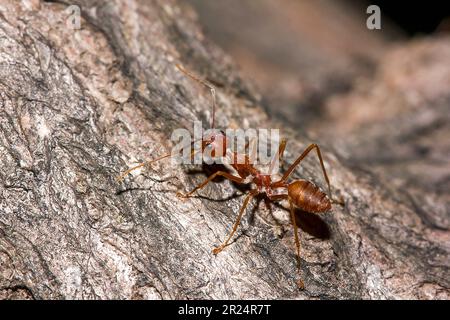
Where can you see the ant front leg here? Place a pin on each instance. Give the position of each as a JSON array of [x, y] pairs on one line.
[[124, 174], [149, 162], [210, 178], [238, 221]]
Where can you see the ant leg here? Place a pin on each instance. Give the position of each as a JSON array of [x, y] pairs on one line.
[[281, 148], [296, 237], [238, 221], [252, 148], [278, 157], [123, 175], [206, 84], [339, 201], [300, 158], [210, 178], [297, 244], [276, 197]]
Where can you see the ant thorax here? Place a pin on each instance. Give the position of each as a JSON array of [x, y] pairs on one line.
[[259, 177]]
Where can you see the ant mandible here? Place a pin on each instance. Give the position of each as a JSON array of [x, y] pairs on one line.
[[300, 193]]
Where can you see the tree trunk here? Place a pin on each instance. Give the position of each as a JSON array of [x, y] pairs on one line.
[[79, 106]]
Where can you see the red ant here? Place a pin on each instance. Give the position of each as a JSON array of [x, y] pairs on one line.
[[302, 194]]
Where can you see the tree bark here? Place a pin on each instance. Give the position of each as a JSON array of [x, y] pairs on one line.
[[80, 106]]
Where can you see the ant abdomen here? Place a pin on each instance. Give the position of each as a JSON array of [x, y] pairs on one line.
[[308, 197]]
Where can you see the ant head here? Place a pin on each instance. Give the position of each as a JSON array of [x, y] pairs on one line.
[[216, 140], [212, 134]]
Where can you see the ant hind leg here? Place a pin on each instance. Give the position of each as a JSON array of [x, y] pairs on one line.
[[297, 244]]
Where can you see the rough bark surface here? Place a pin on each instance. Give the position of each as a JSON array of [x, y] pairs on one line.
[[80, 106]]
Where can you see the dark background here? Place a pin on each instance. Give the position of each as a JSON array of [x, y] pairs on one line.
[[415, 18]]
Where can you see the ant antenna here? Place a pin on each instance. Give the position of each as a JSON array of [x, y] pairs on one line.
[[206, 84]]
